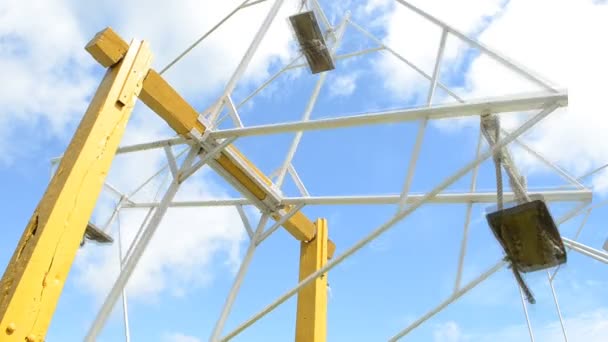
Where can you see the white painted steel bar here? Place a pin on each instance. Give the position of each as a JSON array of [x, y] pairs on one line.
[[394, 220], [509, 63], [296, 179], [204, 159], [525, 309], [559, 311], [590, 173], [341, 57], [240, 70], [215, 27], [582, 225], [319, 10], [267, 82], [125, 307], [278, 224], [238, 280], [152, 145], [445, 198], [308, 110], [495, 106], [586, 250], [171, 161], [106, 227], [149, 179], [138, 248], [245, 220], [467, 219], [485, 275], [422, 126], [548, 163], [233, 112], [404, 60]]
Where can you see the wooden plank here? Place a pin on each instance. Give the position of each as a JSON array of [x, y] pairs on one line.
[[311, 317], [34, 278], [107, 47], [164, 100]]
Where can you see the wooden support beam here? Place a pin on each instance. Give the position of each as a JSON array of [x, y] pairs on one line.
[[34, 278], [311, 318], [164, 100]]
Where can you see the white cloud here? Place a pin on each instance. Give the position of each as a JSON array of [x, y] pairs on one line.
[[586, 327], [417, 39], [563, 47], [447, 332], [178, 337], [343, 85]]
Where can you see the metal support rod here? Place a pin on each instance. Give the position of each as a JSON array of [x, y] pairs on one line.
[[586, 250], [245, 220], [394, 220], [296, 178], [404, 60], [171, 161], [446, 198], [215, 27], [238, 280], [134, 257], [525, 309], [471, 285], [204, 159], [422, 127], [149, 179], [152, 145], [478, 107], [125, 307], [545, 161], [467, 219], [490, 52], [309, 108], [319, 9], [341, 57], [278, 224], [248, 56], [559, 311]]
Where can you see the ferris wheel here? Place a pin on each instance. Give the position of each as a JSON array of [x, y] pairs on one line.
[[520, 220]]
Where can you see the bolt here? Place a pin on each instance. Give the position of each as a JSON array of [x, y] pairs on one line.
[[10, 328], [30, 338]]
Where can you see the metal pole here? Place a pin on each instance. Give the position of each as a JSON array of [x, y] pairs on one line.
[[404, 60], [422, 128], [447, 198], [467, 220], [137, 251], [542, 158], [248, 56], [245, 220], [341, 57], [471, 285], [308, 111], [525, 308], [125, 308], [501, 105], [236, 286], [395, 219], [586, 250], [559, 312], [278, 224], [490, 52]]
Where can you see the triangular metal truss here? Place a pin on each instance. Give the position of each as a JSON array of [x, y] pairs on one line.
[[215, 141]]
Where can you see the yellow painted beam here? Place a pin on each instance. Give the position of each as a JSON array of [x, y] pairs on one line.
[[34, 278], [311, 318], [164, 100], [107, 47]]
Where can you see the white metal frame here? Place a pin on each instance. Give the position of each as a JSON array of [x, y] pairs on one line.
[[216, 141]]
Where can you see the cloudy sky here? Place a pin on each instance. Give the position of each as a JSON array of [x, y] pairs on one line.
[[178, 289]]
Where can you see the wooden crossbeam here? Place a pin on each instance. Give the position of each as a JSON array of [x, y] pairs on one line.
[[165, 101]]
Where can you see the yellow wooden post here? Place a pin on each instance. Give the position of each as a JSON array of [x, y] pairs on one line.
[[311, 320], [34, 278]]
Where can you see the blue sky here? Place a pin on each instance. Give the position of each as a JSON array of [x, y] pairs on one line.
[[177, 293]]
